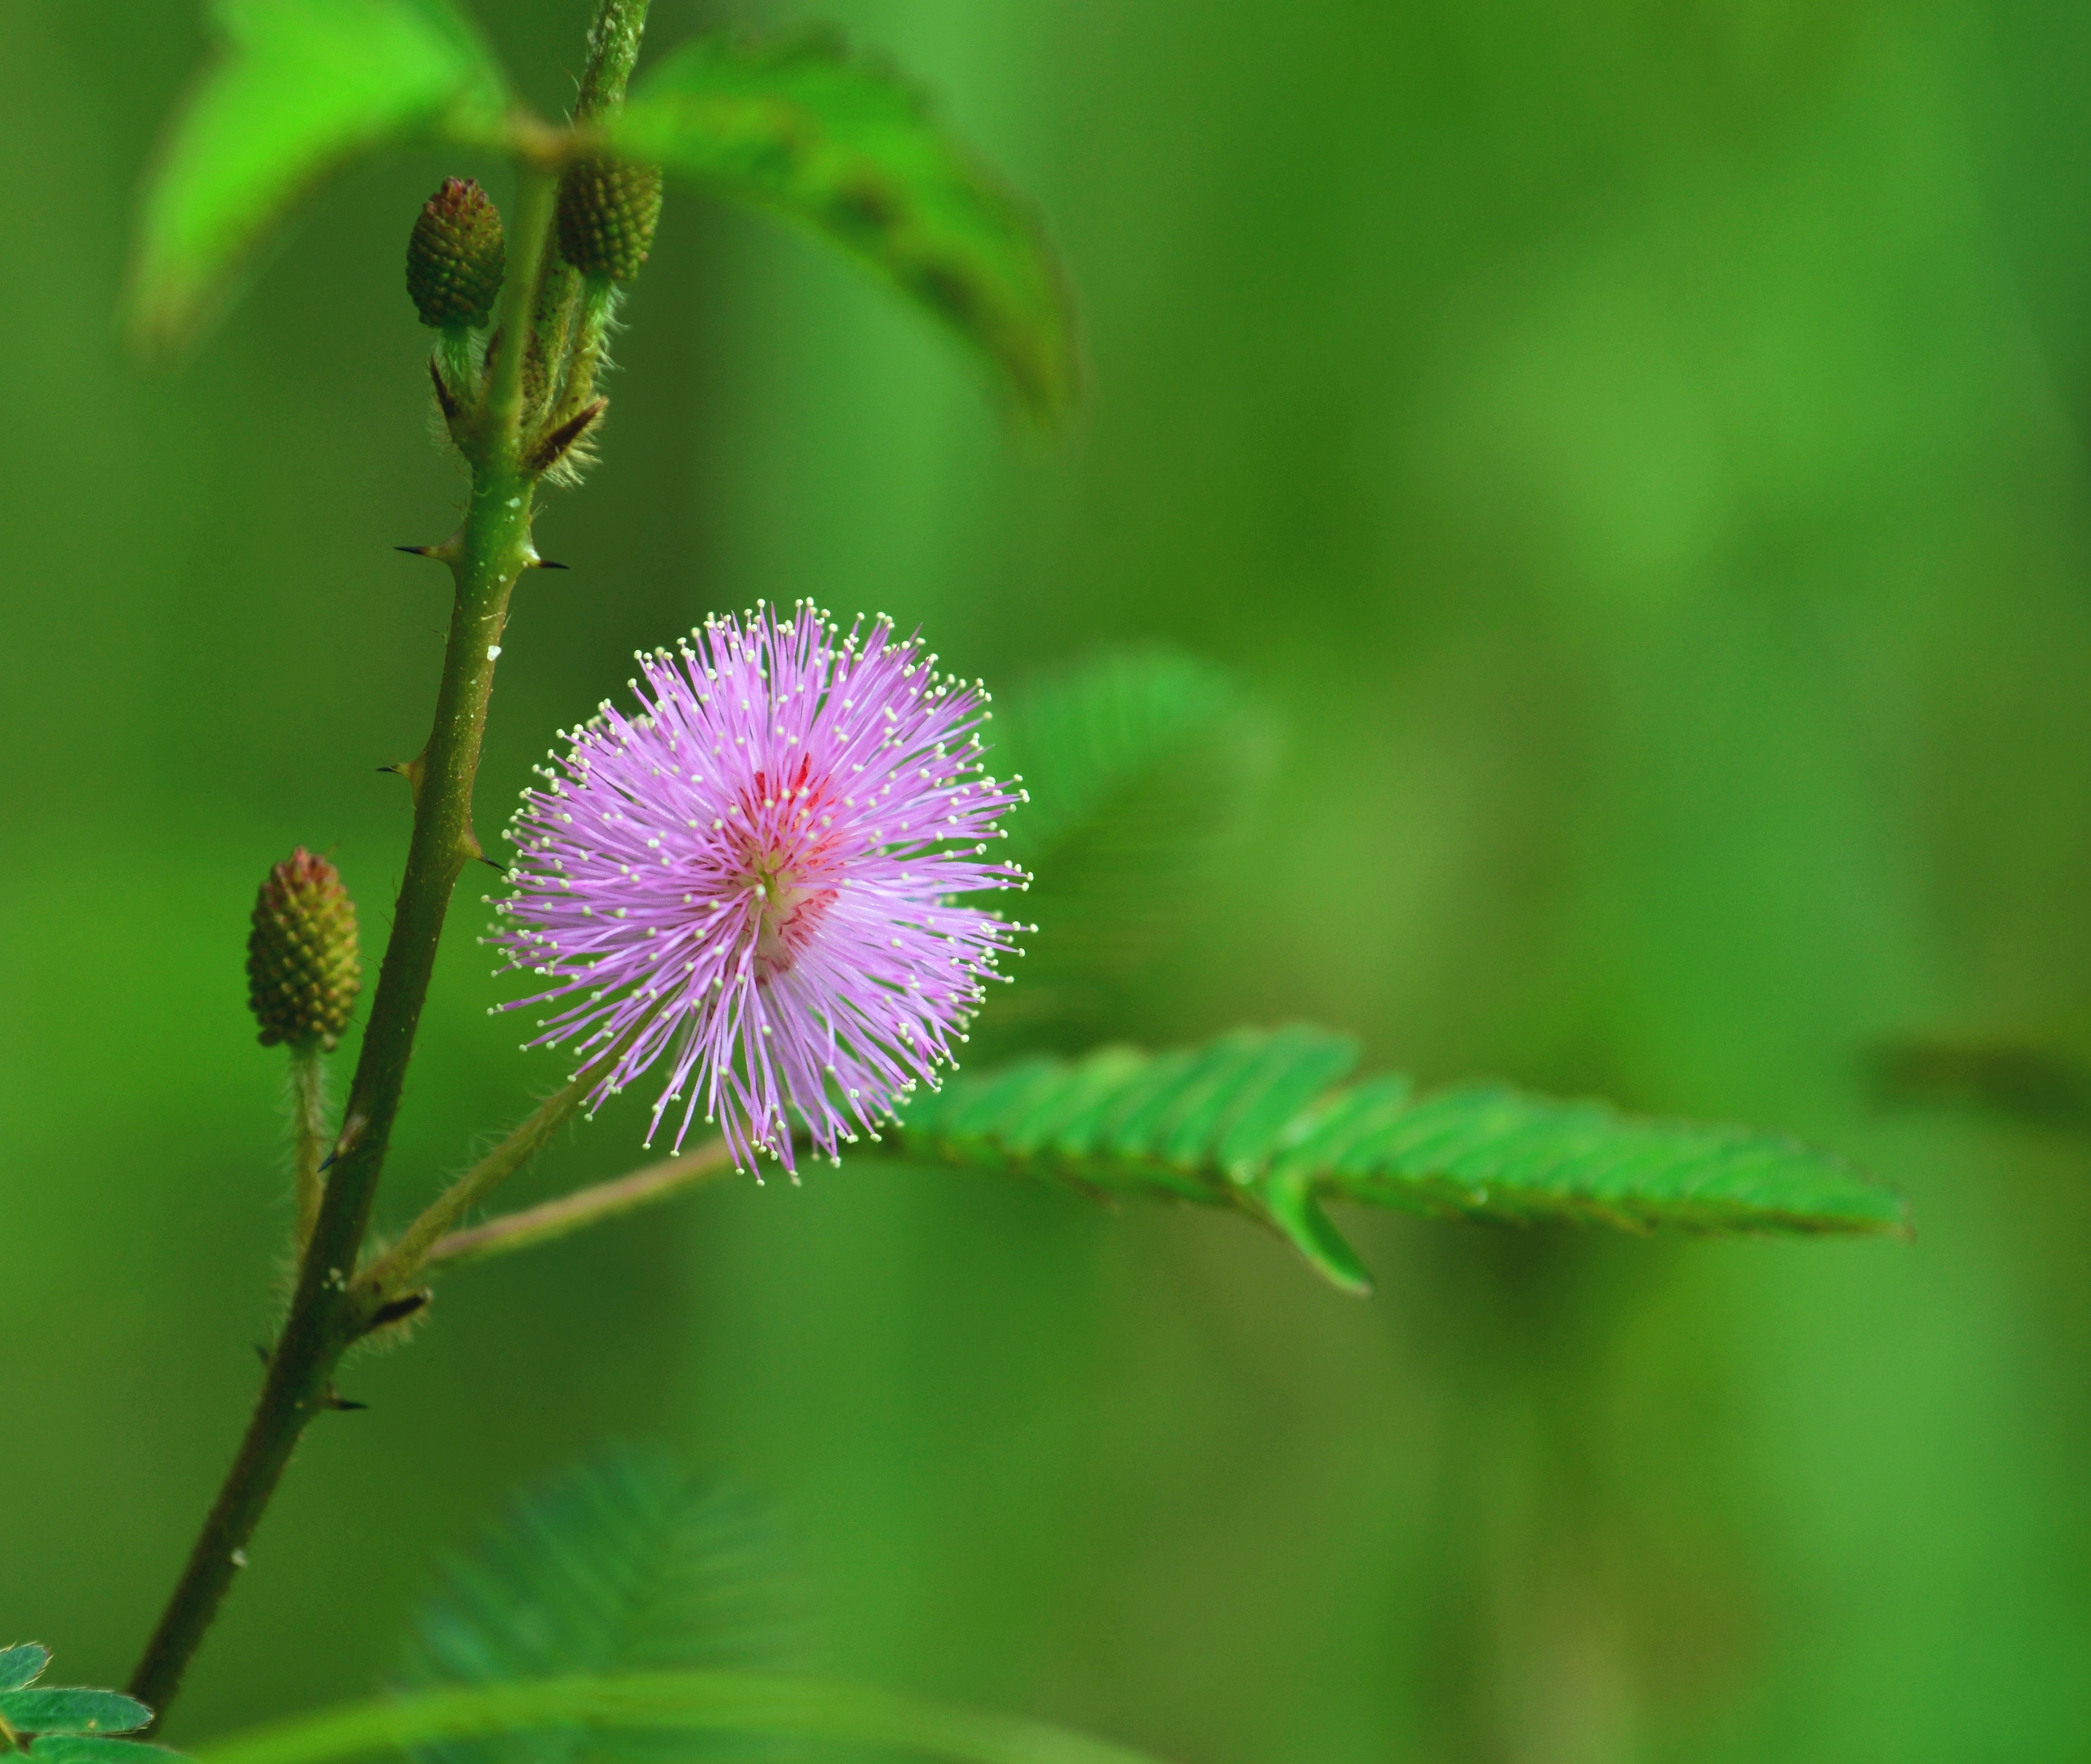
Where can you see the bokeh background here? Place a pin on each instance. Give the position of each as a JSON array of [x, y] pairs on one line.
[[1635, 451]]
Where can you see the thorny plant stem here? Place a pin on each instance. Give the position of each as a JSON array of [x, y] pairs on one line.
[[613, 48], [583, 1208], [307, 1137], [327, 1314], [330, 1310]]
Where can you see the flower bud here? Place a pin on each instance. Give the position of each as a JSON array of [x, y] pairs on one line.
[[303, 972], [455, 256], [607, 212]]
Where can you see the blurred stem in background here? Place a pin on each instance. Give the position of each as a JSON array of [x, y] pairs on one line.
[[1563, 1605]]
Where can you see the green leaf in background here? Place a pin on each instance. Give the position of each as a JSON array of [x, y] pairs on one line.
[[625, 1562], [89, 1749], [1252, 1121], [846, 147], [1141, 765], [682, 1703], [298, 88], [73, 1711], [1087, 738]]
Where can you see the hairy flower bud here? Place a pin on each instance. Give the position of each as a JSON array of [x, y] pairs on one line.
[[607, 212], [303, 972], [455, 256]]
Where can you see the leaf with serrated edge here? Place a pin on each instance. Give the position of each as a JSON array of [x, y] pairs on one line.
[[297, 89], [1250, 1121]]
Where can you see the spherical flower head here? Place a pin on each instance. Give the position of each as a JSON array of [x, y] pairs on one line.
[[755, 880]]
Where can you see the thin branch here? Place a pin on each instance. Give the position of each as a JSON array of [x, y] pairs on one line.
[[527, 263], [392, 1273], [307, 1137], [399, 1264], [576, 1211]]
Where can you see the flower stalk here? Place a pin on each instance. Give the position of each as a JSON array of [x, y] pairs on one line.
[[390, 1276], [308, 1138], [575, 1212]]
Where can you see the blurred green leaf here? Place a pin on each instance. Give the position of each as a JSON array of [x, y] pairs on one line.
[[625, 1562], [1251, 1121], [844, 147], [89, 1749], [1087, 738], [298, 88], [22, 1664], [668, 1702], [1141, 765], [73, 1711], [2020, 1079]]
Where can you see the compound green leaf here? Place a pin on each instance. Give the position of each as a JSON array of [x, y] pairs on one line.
[[667, 1703], [73, 1711], [797, 125], [298, 88], [1259, 1121]]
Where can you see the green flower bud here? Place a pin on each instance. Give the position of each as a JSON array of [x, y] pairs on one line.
[[455, 256], [607, 212], [302, 973]]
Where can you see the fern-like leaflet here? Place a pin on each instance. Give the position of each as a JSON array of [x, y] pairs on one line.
[[624, 1563], [1261, 1121]]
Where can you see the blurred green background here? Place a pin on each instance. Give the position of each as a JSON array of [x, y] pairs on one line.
[[1637, 450]]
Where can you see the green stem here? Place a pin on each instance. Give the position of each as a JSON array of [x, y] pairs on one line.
[[307, 1137], [583, 1208], [393, 1270], [569, 318], [612, 47], [595, 305], [535, 187], [393, 1273], [328, 1314]]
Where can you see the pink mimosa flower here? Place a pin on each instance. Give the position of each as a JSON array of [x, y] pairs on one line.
[[753, 879]]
